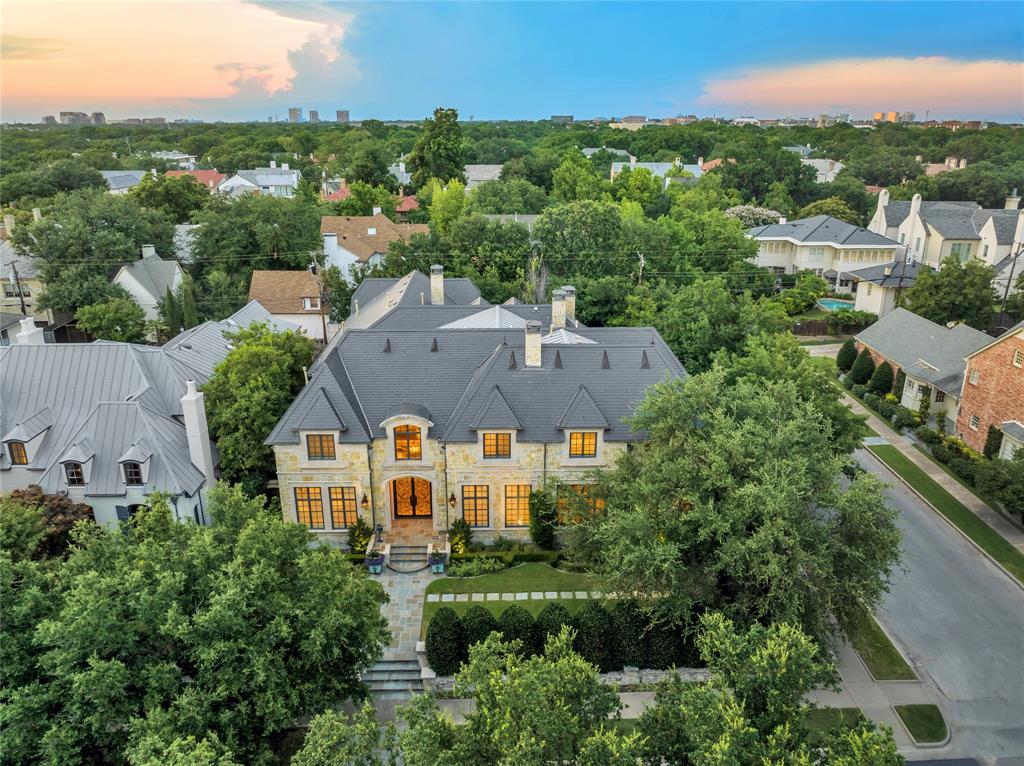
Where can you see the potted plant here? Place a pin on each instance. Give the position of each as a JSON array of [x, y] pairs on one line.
[[437, 560], [374, 561]]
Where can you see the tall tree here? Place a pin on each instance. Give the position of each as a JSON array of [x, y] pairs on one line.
[[438, 150], [178, 197], [833, 206], [575, 179], [119, 319], [955, 293], [370, 166]]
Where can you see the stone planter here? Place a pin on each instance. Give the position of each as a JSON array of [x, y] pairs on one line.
[[375, 564]]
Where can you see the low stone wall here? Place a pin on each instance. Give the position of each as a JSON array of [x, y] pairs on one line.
[[619, 678]]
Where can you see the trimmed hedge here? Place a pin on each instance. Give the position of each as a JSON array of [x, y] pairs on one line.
[[863, 368], [446, 642], [516, 623], [628, 627], [550, 621], [847, 355], [509, 558], [477, 624], [594, 636]]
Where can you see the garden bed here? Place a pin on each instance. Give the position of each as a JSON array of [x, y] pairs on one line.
[[924, 722]]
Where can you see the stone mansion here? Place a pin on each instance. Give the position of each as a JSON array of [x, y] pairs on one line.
[[432, 404]]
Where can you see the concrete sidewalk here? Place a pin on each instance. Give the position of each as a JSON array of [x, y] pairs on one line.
[[994, 519]]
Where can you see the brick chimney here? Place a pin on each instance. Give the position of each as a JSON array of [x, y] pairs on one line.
[[193, 410], [557, 310], [437, 285], [570, 302], [533, 343]]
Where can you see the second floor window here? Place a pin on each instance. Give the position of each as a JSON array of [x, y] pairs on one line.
[[320, 446], [975, 375], [133, 474], [960, 250], [497, 445], [74, 474], [583, 444], [17, 452], [407, 443], [1018, 358]]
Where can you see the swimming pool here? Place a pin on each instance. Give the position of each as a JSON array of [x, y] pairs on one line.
[[834, 304]]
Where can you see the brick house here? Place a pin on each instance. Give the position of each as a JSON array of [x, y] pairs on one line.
[[993, 392]]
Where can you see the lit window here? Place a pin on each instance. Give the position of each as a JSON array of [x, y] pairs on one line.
[[343, 507], [476, 505], [74, 474], [320, 446], [17, 452], [407, 443], [309, 507], [975, 422], [497, 445], [940, 396], [1018, 358], [133, 474], [569, 512], [583, 444], [974, 377], [517, 505]]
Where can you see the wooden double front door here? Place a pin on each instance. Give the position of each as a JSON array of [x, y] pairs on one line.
[[411, 498]]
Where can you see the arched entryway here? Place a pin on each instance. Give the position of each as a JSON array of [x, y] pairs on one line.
[[411, 498]]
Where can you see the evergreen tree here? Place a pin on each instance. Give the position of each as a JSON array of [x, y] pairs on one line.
[[187, 303], [171, 312], [881, 379], [863, 368], [847, 355]]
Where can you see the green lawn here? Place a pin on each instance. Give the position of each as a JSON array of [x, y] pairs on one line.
[[882, 658], [823, 720], [814, 313], [967, 522], [525, 577], [825, 362], [924, 722]]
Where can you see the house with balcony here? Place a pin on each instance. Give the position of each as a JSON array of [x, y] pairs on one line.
[[434, 405], [932, 357], [823, 244]]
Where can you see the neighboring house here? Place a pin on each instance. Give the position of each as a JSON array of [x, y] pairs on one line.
[[934, 231], [525, 219], [405, 204], [439, 411], [826, 170], [148, 279], [291, 296], [10, 324], [878, 288], [273, 181], [658, 169], [182, 160], [803, 151], [120, 182], [210, 179], [822, 244], [590, 151], [993, 392], [477, 174], [931, 356], [359, 239], [403, 176], [21, 284], [110, 424]]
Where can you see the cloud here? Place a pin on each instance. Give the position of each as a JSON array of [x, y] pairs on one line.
[[945, 86], [18, 48]]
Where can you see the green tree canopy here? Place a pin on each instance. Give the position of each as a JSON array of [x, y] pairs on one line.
[[955, 293], [120, 319], [178, 197], [833, 206], [516, 195], [51, 179], [438, 152]]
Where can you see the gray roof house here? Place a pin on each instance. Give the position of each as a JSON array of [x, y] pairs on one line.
[[148, 279], [435, 409], [824, 229], [273, 181], [122, 181], [477, 174], [658, 169], [111, 423]]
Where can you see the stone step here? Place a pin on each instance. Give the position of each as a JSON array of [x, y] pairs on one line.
[[408, 567], [395, 686], [408, 554], [393, 655], [373, 677], [392, 663]]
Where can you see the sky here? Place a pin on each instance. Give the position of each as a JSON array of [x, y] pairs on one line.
[[253, 59]]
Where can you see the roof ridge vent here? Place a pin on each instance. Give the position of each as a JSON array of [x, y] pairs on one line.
[[558, 360], [433, 346], [512, 361], [387, 346], [645, 363], [605, 364]]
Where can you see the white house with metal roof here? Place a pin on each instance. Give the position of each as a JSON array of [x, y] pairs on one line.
[[273, 181], [120, 182], [148, 279]]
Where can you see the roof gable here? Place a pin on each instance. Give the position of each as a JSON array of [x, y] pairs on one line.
[[496, 413], [582, 412]]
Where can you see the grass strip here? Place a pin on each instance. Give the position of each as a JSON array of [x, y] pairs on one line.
[[525, 577], [882, 658], [924, 722], [986, 538]]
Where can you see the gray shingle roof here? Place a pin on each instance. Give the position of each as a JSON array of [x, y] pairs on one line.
[[11, 260], [900, 274], [154, 274], [896, 211], [822, 229], [496, 413], [582, 412], [1004, 222], [1014, 429], [925, 350], [122, 179]]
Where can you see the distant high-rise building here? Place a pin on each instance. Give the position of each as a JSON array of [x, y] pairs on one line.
[[342, 115], [314, 115], [295, 114], [879, 116], [98, 118], [906, 117], [74, 118], [49, 120]]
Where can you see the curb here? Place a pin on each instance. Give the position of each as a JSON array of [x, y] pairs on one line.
[[924, 745], [942, 516]]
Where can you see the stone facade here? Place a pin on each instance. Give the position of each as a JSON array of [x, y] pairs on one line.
[[993, 391]]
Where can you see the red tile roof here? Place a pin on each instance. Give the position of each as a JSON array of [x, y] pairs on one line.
[[211, 179]]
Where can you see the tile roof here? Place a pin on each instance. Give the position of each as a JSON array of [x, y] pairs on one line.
[[924, 349], [823, 229], [154, 273], [283, 292], [211, 179], [366, 235]]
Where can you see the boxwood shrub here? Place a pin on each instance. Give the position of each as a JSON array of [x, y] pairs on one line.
[[661, 644], [477, 624], [628, 624], [549, 622], [516, 623], [446, 642], [593, 636]]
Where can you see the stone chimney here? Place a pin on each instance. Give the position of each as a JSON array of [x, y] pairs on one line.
[[377, 210], [8, 225], [557, 310], [273, 164], [200, 451], [437, 285], [915, 205], [29, 335], [782, 219], [284, 166], [37, 214], [149, 251], [570, 302], [1012, 203], [533, 343]]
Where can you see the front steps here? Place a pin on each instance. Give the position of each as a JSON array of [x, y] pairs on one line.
[[395, 676], [407, 558]]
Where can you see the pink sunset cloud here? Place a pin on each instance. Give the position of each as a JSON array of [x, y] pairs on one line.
[[860, 86]]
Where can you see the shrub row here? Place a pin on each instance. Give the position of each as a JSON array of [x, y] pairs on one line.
[[887, 407], [609, 638], [508, 558]]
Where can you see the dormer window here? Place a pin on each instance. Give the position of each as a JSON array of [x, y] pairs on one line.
[[132, 474], [583, 444], [320, 446], [497, 445], [407, 443], [17, 452], [311, 304], [75, 475]]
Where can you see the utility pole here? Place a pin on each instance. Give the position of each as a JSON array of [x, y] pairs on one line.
[[317, 272], [1009, 281]]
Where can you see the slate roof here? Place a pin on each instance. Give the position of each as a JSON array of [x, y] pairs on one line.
[[924, 349], [271, 176], [23, 263], [658, 169], [107, 399], [896, 211], [1003, 221], [155, 274], [376, 296], [590, 151], [900, 274], [1014, 429], [822, 229], [122, 179], [477, 174]]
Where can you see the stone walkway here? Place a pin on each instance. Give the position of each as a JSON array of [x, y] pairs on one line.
[[404, 611], [536, 595], [994, 519]]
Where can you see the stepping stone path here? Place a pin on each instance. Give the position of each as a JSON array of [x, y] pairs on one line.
[[536, 595]]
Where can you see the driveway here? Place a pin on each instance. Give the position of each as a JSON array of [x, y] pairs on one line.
[[960, 622]]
